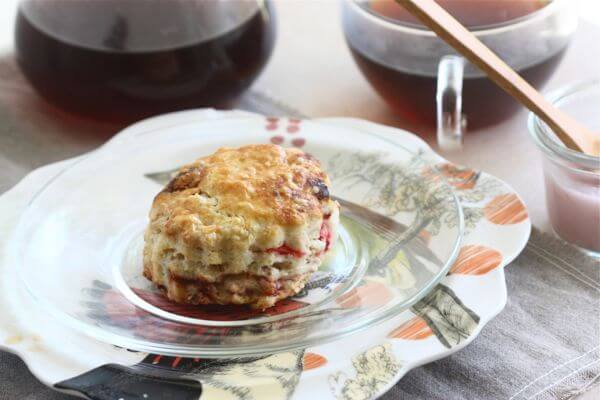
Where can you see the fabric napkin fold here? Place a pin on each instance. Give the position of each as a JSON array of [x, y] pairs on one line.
[[544, 345]]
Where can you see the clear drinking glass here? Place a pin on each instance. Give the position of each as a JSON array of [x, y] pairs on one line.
[[572, 179], [428, 84], [124, 60]]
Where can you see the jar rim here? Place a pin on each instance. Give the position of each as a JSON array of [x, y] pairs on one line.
[[480, 30], [546, 139]]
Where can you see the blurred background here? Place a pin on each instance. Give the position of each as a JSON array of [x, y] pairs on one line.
[[311, 73]]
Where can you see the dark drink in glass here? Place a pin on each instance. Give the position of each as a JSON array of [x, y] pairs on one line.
[[483, 101], [400, 57], [127, 59]]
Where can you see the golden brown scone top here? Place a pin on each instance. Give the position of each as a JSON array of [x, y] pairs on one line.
[[258, 183]]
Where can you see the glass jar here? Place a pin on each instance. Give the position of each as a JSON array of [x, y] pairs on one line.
[[572, 179]]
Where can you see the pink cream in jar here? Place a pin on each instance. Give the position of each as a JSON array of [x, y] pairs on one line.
[[572, 179]]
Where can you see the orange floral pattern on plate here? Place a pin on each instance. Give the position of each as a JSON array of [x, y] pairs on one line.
[[313, 361], [460, 178], [215, 312], [476, 260], [370, 294], [425, 235], [414, 329], [505, 209]]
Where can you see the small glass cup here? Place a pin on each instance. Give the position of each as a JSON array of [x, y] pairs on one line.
[[572, 179]]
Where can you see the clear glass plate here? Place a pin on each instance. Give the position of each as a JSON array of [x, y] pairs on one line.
[[80, 242]]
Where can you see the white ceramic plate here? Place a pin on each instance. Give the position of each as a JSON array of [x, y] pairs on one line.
[[361, 365]]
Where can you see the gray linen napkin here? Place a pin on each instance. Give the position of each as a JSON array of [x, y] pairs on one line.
[[544, 345]]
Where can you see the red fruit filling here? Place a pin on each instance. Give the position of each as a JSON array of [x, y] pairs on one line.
[[325, 235], [286, 250]]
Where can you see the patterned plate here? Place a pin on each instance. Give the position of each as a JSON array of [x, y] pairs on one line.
[[358, 366]]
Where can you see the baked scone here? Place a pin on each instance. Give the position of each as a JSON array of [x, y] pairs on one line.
[[242, 226]]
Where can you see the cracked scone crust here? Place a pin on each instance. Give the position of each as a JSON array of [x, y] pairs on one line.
[[242, 226]]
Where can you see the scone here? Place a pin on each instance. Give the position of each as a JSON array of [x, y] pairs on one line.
[[242, 226]]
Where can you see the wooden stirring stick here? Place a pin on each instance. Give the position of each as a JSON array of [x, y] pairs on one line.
[[573, 134]]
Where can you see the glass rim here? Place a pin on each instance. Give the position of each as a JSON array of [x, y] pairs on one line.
[[544, 137], [479, 30]]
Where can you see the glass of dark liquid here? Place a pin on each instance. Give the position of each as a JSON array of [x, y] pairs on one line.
[[428, 84], [123, 60]]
